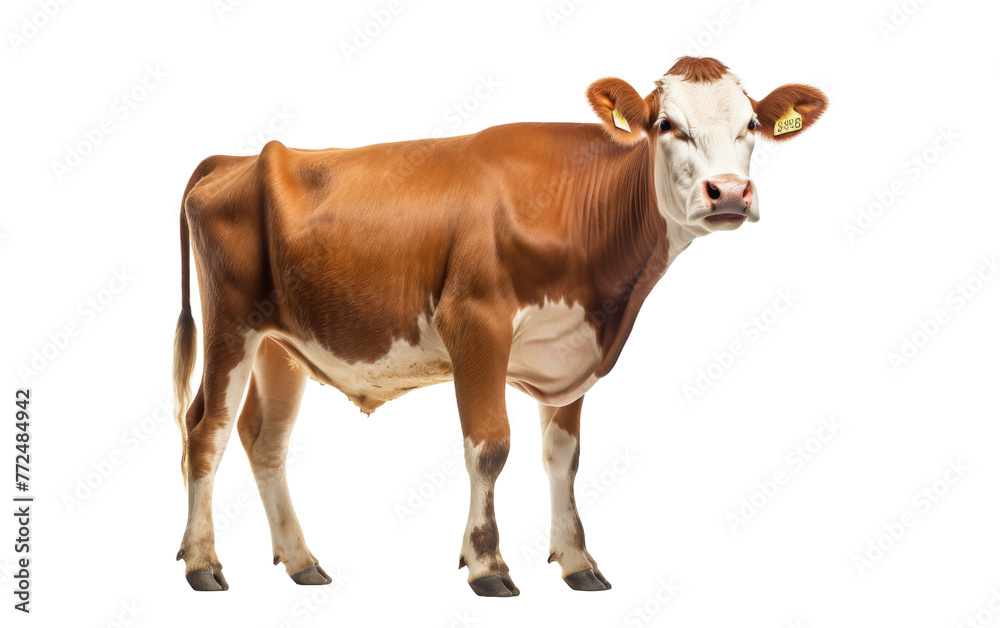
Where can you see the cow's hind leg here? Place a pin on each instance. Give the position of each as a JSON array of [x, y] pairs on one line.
[[209, 424], [561, 457], [265, 427]]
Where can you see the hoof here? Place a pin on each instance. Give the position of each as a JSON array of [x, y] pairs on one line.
[[585, 580], [312, 575], [494, 586], [507, 582], [604, 581], [207, 580]]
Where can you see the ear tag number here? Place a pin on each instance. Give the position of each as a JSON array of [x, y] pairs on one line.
[[788, 123], [621, 122]]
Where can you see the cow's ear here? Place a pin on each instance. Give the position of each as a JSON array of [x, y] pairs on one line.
[[789, 110], [625, 114]]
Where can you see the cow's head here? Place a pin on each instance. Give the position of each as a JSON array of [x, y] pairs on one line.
[[701, 127]]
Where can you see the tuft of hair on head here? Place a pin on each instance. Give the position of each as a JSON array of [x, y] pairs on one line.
[[698, 69]]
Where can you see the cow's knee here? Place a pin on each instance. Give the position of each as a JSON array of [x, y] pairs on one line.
[[485, 460]]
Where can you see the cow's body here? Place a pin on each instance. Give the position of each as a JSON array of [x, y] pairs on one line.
[[359, 258], [520, 254]]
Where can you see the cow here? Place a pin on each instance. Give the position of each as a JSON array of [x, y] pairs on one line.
[[517, 255]]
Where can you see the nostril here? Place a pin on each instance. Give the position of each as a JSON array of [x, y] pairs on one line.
[[748, 192], [713, 192]]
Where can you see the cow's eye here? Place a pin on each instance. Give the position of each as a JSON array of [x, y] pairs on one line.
[[664, 125], [752, 125]]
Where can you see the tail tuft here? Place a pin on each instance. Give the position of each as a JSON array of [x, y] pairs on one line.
[[185, 339], [185, 350]]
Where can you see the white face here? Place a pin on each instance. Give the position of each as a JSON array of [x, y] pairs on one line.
[[703, 155]]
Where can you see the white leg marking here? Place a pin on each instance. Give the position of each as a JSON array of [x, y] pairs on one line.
[[560, 455], [268, 462], [480, 550], [198, 544]]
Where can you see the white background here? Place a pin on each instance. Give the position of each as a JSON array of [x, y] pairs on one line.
[[661, 519]]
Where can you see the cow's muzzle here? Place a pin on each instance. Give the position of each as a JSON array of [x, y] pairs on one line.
[[728, 198]]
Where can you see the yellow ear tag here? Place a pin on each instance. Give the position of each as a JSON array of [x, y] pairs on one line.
[[620, 121], [789, 123]]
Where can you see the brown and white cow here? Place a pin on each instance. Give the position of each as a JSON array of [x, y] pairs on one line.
[[517, 255]]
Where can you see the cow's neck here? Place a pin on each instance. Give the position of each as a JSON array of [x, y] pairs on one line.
[[680, 237], [627, 238], [619, 218]]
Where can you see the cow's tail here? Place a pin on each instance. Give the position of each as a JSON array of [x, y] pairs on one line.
[[185, 340]]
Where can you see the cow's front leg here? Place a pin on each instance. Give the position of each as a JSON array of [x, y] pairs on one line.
[[561, 457], [478, 343]]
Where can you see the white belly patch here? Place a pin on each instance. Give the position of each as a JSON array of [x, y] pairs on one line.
[[553, 355], [369, 384]]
